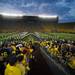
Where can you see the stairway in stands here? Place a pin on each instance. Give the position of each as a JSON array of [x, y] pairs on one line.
[[39, 66]]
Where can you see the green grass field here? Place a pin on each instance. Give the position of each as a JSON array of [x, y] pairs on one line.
[[67, 36]]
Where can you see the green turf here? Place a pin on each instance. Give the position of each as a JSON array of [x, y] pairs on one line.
[[68, 36]]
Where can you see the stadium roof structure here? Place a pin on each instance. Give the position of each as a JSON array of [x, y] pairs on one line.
[[50, 18]]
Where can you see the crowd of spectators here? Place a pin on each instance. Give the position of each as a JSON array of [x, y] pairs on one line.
[[62, 50], [15, 58]]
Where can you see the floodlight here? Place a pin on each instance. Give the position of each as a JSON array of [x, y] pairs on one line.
[[47, 16], [11, 15]]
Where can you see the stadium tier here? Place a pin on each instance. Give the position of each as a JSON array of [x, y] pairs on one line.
[[27, 23], [33, 24]]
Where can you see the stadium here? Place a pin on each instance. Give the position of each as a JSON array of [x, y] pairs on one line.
[[39, 44]]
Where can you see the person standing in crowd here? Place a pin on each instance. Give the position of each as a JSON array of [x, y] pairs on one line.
[[2, 66], [11, 68], [20, 65]]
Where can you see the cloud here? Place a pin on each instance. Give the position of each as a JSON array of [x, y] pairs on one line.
[[59, 8], [64, 10], [7, 8], [29, 5], [43, 8], [69, 1], [45, 1], [72, 12]]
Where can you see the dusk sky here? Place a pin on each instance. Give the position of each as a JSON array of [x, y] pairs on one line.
[[65, 9]]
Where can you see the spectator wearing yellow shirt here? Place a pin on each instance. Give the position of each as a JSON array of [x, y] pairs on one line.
[[11, 68], [20, 65]]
